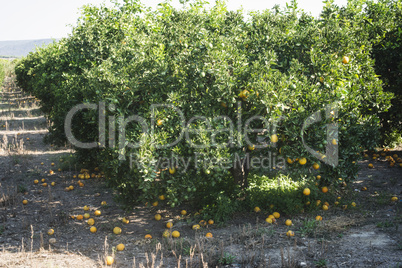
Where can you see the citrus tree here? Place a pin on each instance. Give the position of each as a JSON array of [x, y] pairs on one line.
[[384, 23], [6, 68], [188, 102]]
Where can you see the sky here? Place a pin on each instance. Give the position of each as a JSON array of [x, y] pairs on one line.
[[42, 19]]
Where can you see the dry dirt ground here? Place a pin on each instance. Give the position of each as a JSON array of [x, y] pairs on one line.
[[368, 235]]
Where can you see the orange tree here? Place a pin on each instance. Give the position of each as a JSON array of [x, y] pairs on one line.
[[189, 102], [384, 23]]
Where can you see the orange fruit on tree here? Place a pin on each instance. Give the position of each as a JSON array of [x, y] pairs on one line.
[[244, 94], [120, 247], [172, 170], [117, 230], [302, 161], [289, 160], [176, 234], [324, 189], [306, 191], [316, 166], [274, 138], [318, 177], [251, 147], [109, 260], [162, 197], [154, 204]]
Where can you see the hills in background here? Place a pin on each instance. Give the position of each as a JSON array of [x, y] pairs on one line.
[[10, 49]]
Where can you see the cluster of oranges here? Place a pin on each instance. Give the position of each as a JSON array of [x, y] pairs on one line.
[[84, 174], [176, 234], [273, 218], [92, 228], [392, 159]]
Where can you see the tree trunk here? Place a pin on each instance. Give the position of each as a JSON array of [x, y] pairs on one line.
[[240, 172]]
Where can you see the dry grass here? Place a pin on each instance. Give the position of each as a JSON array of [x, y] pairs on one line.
[[44, 258], [339, 223]]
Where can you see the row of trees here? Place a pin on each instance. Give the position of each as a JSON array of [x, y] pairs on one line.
[[6, 69], [217, 97]]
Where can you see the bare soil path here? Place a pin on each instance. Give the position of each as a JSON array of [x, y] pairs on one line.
[[368, 235]]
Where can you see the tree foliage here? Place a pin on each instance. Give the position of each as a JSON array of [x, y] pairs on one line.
[[281, 73]]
